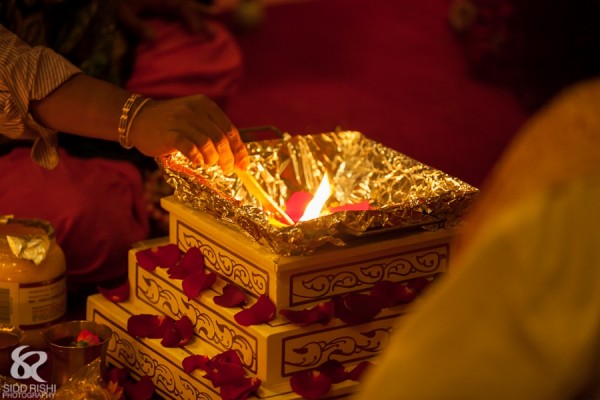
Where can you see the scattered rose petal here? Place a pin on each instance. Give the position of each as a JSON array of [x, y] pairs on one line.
[[393, 293], [357, 372], [334, 370], [321, 313], [193, 362], [118, 375], [180, 333], [419, 284], [117, 294], [356, 308], [310, 384], [225, 368], [149, 325], [162, 256], [115, 390], [360, 206], [261, 311], [296, 204], [196, 282], [240, 389], [191, 262], [140, 390], [225, 371], [232, 296], [405, 294], [385, 291], [316, 383], [86, 338]]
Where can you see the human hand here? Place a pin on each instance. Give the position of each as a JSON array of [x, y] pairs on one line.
[[192, 13], [195, 126]]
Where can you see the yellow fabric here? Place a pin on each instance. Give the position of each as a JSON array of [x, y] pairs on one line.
[[518, 315]]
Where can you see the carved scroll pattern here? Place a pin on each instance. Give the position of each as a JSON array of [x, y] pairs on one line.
[[223, 262], [145, 362], [209, 327], [302, 353], [359, 276]]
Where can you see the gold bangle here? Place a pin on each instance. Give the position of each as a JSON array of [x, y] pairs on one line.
[[126, 141], [123, 121]]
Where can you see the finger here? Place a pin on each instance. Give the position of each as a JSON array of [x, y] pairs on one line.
[[226, 159], [238, 148], [232, 135], [209, 153], [187, 147], [204, 137], [192, 151], [216, 147]]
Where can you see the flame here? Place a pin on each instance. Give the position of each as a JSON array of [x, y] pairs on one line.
[[315, 206]]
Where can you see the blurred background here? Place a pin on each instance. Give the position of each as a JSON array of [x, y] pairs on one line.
[[393, 70]]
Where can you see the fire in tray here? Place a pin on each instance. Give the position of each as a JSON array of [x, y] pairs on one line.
[[301, 192]]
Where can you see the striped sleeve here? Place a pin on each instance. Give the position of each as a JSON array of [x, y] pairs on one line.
[[26, 74]]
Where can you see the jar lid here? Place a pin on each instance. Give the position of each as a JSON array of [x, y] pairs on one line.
[[27, 239]]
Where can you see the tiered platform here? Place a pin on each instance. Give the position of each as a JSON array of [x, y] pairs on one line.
[[272, 351]]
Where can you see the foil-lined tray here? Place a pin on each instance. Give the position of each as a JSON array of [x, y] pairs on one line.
[[403, 194]]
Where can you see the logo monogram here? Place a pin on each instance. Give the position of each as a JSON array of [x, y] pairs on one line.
[[21, 370]]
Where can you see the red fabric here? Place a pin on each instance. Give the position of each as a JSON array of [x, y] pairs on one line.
[[96, 206], [392, 69], [179, 63]]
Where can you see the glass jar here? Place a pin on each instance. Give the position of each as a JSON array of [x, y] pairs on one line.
[[33, 290]]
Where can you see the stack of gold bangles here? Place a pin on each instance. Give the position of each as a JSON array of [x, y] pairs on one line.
[[126, 121]]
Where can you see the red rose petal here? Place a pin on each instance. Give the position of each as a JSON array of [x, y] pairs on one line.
[[419, 284], [228, 357], [310, 384], [240, 389], [115, 390], [170, 339], [180, 334], [296, 204], [148, 325], [193, 362], [392, 293], [196, 282], [321, 313], [356, 308], [191, 262], [358, 371], [140, 390], [225, 368], [86, 338], [118, 375], [162, 256], [405, 294], [385, 291], [185, 328], [334, 370], [116, 294], [232, 296], [261, 311]]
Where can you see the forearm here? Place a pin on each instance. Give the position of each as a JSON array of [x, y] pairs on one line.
[[83, 106]]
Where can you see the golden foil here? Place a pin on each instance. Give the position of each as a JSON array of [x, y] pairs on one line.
[[30, 246], [403, 193]]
